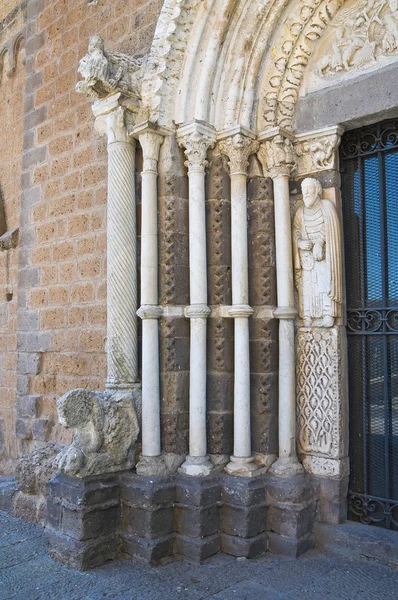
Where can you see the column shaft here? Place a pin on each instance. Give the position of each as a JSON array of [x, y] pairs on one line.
[[122, 268]]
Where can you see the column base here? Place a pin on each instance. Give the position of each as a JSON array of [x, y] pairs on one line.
[[244, 517], [242, 467], [83, 520], [197, 517], [147, 529], [151, 465], [196, 466], [287, 467]]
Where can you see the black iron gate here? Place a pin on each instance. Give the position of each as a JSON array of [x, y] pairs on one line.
[[369, 163]]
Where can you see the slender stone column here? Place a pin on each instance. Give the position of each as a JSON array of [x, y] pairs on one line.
[[151, 462], [277, 157], [197, 138], [238, 144], [122, 346]]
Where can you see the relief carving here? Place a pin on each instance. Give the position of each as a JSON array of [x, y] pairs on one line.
[[317, 258], [365, 31], [319, 391], [106, 73], [105, 432], [318, 151]]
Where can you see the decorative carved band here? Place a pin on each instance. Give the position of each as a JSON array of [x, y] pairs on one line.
[[238, 148], [326, 467], [197, 311]]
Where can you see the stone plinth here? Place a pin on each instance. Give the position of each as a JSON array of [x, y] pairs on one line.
[[244, 515], [197, 517], [82, 520], [147, 528], [292, 507]]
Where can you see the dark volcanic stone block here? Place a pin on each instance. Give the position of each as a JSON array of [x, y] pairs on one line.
[[196, 550], [147, 491], [82, 520], [197, 491], [243, 492], [147, 522], [245, 522], [81, 555], [279, 544], [152, 551], [247, 547], [197, 522]]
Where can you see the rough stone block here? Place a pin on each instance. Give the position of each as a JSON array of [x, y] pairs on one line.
[[245, 522], [240, 491], [197, 522], [332, 499], [88, 524], [247, 547], [195, 491], [148, 522], [41, 428], [294, 521], [29, 507], [279, 544], [147, 491], [196, 550], [152, 551], [23, 429], [81, 555], [27, 406]]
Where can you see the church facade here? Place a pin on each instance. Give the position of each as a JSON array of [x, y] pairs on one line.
[[199, 273]]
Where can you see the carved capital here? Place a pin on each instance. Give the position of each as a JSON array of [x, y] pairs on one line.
[[196, 139], [197, 311], [318, 150], [149, 311], [276, 153], [238, 148], [110, 120], [106, 73]]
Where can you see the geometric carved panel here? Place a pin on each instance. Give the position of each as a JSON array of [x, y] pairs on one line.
[[319, 388]]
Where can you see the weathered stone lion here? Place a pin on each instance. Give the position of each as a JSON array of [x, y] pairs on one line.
[[105, 432]]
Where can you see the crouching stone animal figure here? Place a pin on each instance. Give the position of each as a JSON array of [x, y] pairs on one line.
[[105, 432]]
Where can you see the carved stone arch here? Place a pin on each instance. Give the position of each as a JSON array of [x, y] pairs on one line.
[[11, 49]]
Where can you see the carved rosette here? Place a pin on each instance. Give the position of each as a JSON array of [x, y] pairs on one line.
[[238, 148], [318, 151], [320, 401], [276, 155], [196, 139]]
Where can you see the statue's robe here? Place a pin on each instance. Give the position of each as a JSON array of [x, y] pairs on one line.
[[318, 282]]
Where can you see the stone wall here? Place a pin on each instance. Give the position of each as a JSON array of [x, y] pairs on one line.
[[61, 181], [11, 146]]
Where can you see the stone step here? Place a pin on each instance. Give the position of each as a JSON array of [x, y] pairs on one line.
[[355, 540]]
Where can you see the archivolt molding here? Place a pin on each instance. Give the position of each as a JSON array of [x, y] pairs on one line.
[[230, 62]]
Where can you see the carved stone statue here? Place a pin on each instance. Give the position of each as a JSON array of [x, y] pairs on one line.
[[105, 432], [106, 73], [317, 257]]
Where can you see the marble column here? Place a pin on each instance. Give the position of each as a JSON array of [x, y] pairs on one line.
[[238, 144], [151, 461], [122, 343], [196, 138], [277, 157]]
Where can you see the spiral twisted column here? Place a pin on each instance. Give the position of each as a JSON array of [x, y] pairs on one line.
[[122, 342], [196, 138], [277, 157], [238, 144]]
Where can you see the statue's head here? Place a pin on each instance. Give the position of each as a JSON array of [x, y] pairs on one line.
[[76, 408], [312, 191], [95, 43]]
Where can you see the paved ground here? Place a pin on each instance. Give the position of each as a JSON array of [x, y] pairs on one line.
[[26, 573]]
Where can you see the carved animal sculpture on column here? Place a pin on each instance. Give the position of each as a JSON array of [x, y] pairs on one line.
[[105, 432], [317, 258]]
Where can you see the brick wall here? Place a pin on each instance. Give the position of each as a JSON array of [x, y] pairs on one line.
[[62, 250]]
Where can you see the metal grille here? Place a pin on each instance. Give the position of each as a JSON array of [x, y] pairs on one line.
[[369, 160]]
